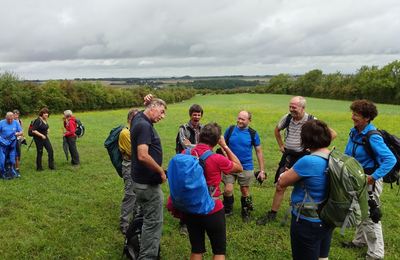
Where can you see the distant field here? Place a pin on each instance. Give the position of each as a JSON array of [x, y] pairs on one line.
[[74, 213]]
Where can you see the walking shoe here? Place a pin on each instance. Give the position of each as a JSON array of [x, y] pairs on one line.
[[245, 216], [15, 173], [270, 216], [183, 229], [350, 245]]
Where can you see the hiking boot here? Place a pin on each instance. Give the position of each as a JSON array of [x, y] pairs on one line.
[[249, 203], [183, 229], [245, 208], [350, 245], [228, 205], [270, 216]]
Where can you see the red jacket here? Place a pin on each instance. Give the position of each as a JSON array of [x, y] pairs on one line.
[[70, 126]]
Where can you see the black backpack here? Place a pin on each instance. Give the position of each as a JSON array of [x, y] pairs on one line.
[[133, 238], [251, 131], [287, 122], [30, 128], [393, 143], [80, 128]]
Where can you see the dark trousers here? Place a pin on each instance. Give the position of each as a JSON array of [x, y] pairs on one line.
[[40, 143], [213, 225], [73, 150], [309, 240]]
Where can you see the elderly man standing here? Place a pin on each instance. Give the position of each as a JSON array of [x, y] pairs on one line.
[[70, 136], [9, 131], [292, 149], [241, 139], [148, 175]]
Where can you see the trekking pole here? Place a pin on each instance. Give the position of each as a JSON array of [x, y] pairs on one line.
[[29, 146]]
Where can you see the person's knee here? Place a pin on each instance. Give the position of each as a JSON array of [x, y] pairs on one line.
[[245, 191], [228, 191], [279, 190]]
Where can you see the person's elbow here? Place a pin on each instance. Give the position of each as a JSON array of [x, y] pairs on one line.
[[237, 167], [333, 133], [392, 162], [142, 157]]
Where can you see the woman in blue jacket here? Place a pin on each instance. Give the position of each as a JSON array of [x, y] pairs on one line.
[[369, 233]]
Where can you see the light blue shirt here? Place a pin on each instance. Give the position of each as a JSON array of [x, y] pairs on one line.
[[241, 145], [7, 131]]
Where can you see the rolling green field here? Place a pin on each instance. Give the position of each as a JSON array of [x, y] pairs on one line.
[[73, 213]]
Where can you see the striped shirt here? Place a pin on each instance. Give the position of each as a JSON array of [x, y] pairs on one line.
[[293, 140]]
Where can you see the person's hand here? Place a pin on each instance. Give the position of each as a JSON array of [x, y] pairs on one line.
[[282, 148], [186, 142], [262, 175], [221, 141], [163, 177], [147, 99], [43, 137], [370, 180]]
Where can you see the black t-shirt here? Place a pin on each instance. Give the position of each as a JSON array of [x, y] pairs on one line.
[[143, 132], [40, 126]]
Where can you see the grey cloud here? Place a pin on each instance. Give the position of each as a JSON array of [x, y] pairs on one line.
[[193, 37]]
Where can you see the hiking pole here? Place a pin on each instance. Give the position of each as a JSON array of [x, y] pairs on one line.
[[29, 146]]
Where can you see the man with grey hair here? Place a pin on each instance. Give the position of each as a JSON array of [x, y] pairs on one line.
[[292, 149], [148, 175], [70, 137], [9, 131]]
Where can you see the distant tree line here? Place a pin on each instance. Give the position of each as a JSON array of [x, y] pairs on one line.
[[380, 85], [219, 83], [59, 95], [377, 84]]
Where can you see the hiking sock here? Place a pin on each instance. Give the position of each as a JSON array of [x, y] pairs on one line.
[[228, 204]]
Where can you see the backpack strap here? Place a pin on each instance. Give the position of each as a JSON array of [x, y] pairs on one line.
[[251, 131], [202, 161], [205, 155], [228, 135], [321, 154], [253, 136], [367, 144], [287, 121]]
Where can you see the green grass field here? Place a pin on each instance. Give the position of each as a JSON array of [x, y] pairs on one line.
[[73, 213]]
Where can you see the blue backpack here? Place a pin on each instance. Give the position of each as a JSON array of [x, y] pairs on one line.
[[187, 184]]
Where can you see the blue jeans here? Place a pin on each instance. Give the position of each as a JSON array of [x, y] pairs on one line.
[[309, 240]]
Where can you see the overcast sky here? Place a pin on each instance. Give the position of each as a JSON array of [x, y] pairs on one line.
[[43, 39]]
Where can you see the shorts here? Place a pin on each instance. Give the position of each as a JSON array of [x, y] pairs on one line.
[[244, 178], [18, 148], [288, 159], [214, 225]]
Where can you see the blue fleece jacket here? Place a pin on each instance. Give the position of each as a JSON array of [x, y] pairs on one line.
[[383, 156]]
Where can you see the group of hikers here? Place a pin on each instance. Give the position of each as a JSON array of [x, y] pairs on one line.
[[303, 165], [12, 137]]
